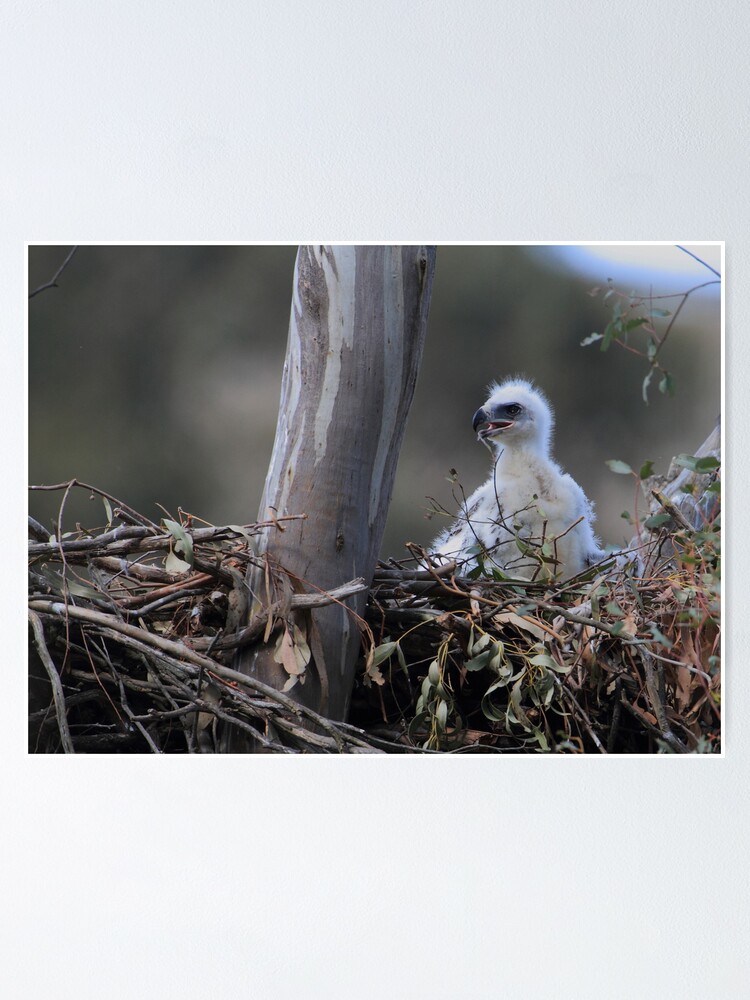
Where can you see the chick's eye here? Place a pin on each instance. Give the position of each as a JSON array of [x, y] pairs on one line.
[[513, 409]]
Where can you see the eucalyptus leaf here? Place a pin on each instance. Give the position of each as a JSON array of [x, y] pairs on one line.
[[482, 643], [173, 564], [633, 324], [621, 468], [544, 660], [656, 520], [479, 662], [666, 385], [241, 531], [490, 711], [441, 715], [184, 543], [707, 463], [382, 652]]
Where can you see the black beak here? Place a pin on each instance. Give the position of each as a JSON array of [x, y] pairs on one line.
[[479, 418]]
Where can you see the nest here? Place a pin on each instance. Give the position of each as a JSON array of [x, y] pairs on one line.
[[135, 626]]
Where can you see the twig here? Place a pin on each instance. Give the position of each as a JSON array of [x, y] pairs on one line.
[[52, 283], [296, 601], [577, 710], [654, 681], [699, 259], [54, 678], [190, 660], [136, 722]]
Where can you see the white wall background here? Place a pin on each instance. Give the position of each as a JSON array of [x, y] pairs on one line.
[[277, 878]]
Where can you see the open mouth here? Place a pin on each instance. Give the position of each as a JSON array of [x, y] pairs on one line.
[[491, 427]]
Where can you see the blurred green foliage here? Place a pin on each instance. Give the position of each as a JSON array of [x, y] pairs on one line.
[[154, 373]]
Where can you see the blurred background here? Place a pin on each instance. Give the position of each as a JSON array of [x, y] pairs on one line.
[[155, 372]]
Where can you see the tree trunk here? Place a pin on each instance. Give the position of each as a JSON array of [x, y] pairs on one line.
[[356, 332]]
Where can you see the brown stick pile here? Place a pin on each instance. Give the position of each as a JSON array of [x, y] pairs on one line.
[[134, 625]]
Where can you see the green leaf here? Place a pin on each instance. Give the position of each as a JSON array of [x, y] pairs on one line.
[[666, 385], [633, 324], [560, 668], [544, 660], [646, 470], [108, 510], [382, 652], [491, 711], [481, 643], [705, 464], [609, 335], [479, 662], [621, 468], [184, 541], [498, 661], [441, 715], [401, 659], [660, 637], [523, 548], [542, 740], [515, 700], [656, 520]]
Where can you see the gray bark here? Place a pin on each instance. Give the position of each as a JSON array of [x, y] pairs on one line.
[[356, 333]]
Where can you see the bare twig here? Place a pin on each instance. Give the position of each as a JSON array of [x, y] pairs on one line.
[[52, 283], [54, 678], [699, 259], [189, 660]]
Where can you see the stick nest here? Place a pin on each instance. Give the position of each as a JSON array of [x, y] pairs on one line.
[[134, 627]]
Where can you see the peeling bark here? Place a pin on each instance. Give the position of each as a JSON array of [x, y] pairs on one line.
[[356, 333]]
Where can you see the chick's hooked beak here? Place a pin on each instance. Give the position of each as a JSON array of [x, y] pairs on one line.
[[483, 425]]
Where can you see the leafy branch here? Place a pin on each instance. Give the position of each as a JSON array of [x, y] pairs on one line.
[[634, 314]]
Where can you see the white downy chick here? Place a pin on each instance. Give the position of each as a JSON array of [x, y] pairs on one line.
[[530, 519]]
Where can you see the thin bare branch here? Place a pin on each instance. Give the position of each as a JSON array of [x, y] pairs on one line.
[[52, 283], [54, 678]]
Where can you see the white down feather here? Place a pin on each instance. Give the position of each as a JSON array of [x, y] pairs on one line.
[[530, 519]]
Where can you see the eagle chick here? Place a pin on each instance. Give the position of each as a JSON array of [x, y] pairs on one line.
[[530, 519]]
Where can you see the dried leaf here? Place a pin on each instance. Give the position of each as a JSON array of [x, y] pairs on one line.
[[510, 618], [292, 651], [173, 564], [372, 670]]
